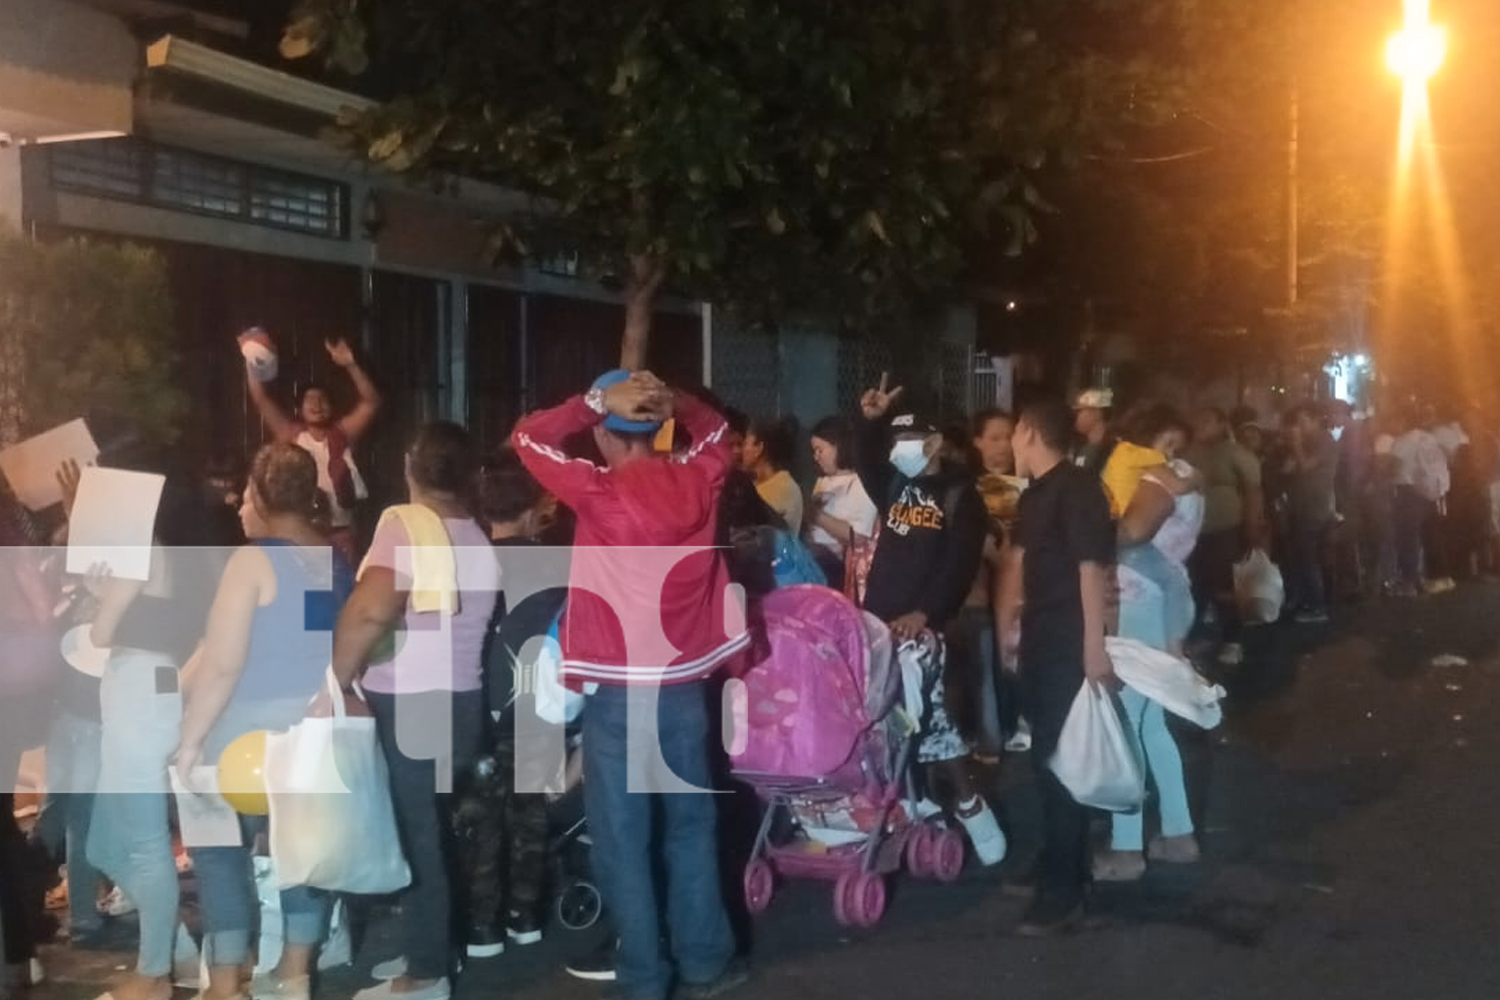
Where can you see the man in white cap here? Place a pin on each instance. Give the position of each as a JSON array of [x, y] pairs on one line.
[[1091, 420]]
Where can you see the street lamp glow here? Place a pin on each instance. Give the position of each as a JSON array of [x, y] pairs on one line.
[[1416, 52]]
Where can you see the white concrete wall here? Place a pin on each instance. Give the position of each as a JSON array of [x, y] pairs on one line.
[[64, 68], [12, 188]]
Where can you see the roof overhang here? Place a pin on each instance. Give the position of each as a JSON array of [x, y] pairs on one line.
[[66, 71], [199, 62]]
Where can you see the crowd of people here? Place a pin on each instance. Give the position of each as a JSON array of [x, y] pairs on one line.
[[1016, 541]]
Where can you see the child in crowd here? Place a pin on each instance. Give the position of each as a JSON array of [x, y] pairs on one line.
[[503, 831]]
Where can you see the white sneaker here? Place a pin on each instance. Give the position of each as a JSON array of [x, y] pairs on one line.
[[393, 968], [440, 990], [116, 904], [189, 974], [268, 987], [924, 809], [1021, 741], [984, 833], [35, 974]]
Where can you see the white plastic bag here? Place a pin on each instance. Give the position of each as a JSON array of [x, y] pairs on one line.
[[1259, 591], [332, 822], [1097, 759], [1167, 680]]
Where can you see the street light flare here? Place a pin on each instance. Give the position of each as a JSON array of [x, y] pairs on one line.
[[1416, 52]]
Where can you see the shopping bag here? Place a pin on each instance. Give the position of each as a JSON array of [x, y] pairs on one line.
[[1258, 589], [1097, 760], [1167, 680], [332, 822]]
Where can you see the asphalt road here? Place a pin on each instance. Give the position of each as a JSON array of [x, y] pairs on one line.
[[1349, 819]]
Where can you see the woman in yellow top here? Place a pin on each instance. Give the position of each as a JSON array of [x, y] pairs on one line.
[[1129, 463], [1132, 459]]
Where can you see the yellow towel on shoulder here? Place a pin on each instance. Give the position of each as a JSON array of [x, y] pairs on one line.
[[434, 568]]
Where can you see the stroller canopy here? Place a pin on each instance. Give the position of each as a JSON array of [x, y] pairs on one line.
[[822, 676]]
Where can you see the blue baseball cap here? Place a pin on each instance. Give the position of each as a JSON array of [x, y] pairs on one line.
[[619, 424]]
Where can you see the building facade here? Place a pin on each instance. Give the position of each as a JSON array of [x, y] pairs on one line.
[[138, 120]]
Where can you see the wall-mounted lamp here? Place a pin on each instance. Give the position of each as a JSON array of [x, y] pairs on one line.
[[371, 215]]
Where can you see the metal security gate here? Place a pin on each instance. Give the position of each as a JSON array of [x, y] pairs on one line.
[[747, 369], [939, 379]]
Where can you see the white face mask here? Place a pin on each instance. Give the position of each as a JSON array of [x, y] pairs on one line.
[[910, 457]]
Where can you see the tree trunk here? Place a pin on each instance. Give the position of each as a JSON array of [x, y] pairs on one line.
[[12, 377], [646, 274]]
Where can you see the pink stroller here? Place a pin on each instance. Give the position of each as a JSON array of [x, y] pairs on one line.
[[825, 746]]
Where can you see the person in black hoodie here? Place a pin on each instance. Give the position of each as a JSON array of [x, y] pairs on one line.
[[930, 539]]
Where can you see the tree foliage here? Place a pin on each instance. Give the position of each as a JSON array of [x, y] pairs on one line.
[[777, 155], [87, 327]]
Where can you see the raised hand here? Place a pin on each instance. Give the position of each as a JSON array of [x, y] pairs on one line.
[[97, 578], [877, 402], [68, 476], [339, 352]]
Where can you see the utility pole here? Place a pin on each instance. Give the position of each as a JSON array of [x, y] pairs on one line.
[[1293, 125]]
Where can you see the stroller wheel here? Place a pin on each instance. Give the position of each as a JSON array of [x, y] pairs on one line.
[[921, 851], [859, 899], [579, 906], [947, 855], [760, 885], [868, 900], [843, 895]]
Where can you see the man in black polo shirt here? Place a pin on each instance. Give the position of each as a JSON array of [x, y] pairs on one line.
[[1055, 584]]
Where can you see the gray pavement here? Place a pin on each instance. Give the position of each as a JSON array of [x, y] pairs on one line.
[[1349, 817]]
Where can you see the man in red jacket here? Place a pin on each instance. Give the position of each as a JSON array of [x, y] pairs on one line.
[[649, 617]]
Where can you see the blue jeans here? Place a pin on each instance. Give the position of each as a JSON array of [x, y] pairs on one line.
[[1177, 594], [72, 776], [621, 824], [447, 728], [1305, 561], [129, 838], [1143, 620], [1163, 765], [231, 908]]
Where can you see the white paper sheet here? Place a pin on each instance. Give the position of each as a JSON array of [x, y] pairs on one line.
[[113, 521], [203, 816], [31, 466]]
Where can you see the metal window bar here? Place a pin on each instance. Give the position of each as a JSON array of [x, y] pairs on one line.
[[129, 169]]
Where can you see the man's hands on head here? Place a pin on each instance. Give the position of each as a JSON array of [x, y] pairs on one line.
[[643, 396]]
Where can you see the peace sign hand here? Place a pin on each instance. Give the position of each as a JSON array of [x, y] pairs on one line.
[[876, 403]]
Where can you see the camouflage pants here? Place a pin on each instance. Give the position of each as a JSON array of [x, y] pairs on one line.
[[502, 838]]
